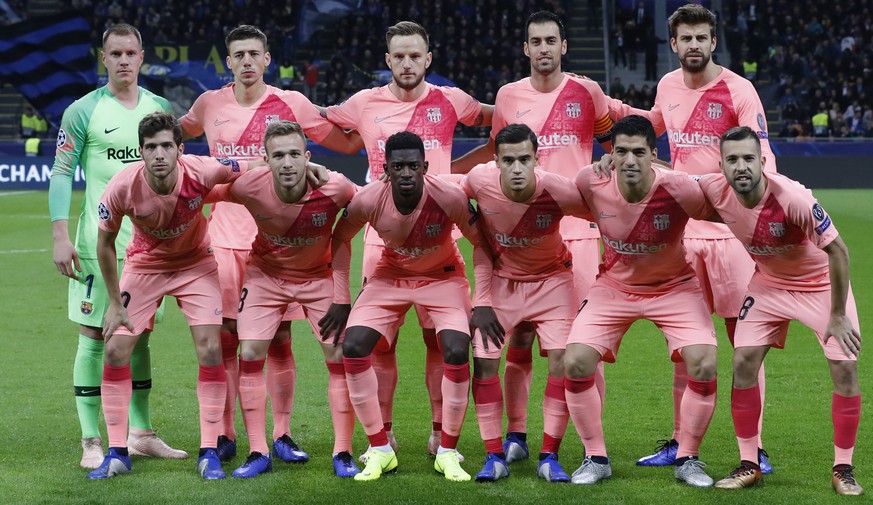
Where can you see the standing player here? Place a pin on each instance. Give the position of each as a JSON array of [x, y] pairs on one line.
[[644, 275], [420, 264], [695, 105], [99, 131], [407, 103], [802, 274], [532, 283], [169, 254], [234, 119], [289, 262], [568, 113]]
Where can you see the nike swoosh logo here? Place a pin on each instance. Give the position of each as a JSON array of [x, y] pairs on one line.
[[145, 216], [87, 392], [521, 113], [729, 222], [107, 131], [219, 123], [262, 218], [671, 107], [378, 119], [490, 212], [604, 215]]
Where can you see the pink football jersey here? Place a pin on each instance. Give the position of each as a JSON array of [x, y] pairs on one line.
[[524, 236], [237, 132], [377, 114], [642, 242], [784, 233], [169, 231], [417, 246], [293, 239], [567, 122]]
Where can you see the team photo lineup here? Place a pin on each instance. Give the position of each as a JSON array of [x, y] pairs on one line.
[[568, 251]]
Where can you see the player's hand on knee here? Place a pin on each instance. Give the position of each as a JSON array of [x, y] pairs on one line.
[[334, 321], [840, 328], [115, 318], [316, 174], [67, 259], [604, 167], [485, 320]]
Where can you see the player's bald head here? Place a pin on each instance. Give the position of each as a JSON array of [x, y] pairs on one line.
[[122, 30]]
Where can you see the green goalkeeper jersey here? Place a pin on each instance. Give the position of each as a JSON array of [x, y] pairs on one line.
[[99, 133]]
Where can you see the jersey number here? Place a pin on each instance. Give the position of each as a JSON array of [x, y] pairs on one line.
[[89, 280], [125, 297], [744, 310], [584, 303], [242, 299]]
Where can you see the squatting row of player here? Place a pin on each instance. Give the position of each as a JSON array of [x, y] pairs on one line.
[[757, 250]]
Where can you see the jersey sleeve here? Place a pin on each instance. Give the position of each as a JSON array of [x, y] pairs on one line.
[[316, 127], [70, 143], [602, 122], [567, 196], [693, 199], [354, 217], [750, 112], [192, 122], [111, 209], [498, 121], [348, 114], [466, 107], [805, 212]]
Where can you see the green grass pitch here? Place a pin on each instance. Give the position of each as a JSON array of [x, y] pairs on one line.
[[39, 431]]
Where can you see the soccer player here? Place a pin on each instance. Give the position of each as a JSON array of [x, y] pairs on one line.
[[802, 274], [407, 103], [532, 283], [169, 254], [420, 264], [234, 119], [289, 262], [695, 104], [644, 275], [568, 113], [99, 131]]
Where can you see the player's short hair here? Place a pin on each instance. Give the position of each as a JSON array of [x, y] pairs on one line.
[[403, 140], [635, 126], [739, 133], [404, 29], [691, 14], [121, 30], [158, 122], [543, 17], [245, 32], [283, 128], [515, 133]]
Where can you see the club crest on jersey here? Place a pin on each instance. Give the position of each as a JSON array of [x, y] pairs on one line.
[[662, 221], [271, 118], [713, 110], [433, 230], [87, 307], [434, 115], [543, 220], [194, 203], [574, 110], [103, 212], [319, 219], [777, 229]]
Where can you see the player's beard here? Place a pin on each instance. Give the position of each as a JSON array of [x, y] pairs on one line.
[[408, 85], [695, 68]]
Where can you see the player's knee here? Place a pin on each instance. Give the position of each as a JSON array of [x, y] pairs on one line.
[[579, 364], [845, 377], [746, 365], [485, 368], [456, 354]]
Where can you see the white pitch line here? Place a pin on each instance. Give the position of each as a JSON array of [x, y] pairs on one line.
[[13, 193], [22, 251]]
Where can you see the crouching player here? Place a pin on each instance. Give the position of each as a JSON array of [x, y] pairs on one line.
[[289, 262], [169, 254], [641, 213], [532, 283], [420, 264], [802, 274]]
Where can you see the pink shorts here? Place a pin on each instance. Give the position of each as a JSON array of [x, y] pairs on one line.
[[231, 272], [607, 313], [549, 305], [383, 302], [265, 300], [196, 291], [766, 312], [724, 270], [586, 262]]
